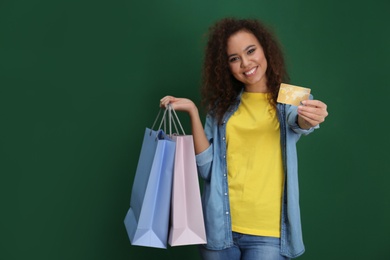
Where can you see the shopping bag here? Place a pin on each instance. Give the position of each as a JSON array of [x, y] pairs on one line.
[[147, 220], [187, 223]]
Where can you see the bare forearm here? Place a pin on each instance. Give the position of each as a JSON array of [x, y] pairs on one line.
[[200, 140]]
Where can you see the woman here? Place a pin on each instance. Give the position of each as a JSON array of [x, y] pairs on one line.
[[246, 153]]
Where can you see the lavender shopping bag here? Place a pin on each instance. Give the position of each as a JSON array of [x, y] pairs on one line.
[[147, 220], [187, 223]]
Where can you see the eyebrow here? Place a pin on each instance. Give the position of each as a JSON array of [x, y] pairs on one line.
[[250, 46]]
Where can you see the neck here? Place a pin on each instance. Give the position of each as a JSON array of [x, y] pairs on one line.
[[257, 89]]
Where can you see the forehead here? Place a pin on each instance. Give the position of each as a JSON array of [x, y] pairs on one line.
[[241, 40]]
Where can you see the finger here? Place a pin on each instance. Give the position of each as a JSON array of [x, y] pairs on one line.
[[317, 118], [166, 100], [314, 103], [308, 121], [164, 103], [314, 110]]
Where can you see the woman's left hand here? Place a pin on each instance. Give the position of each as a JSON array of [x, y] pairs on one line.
[[311, 113]]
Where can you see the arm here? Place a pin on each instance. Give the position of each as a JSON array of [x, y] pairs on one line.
[[182, 104], [311, 113]]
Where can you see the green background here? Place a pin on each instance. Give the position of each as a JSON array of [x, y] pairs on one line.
[[80, 81]]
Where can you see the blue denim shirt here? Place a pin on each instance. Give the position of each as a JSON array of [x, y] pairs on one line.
[[212, 167]]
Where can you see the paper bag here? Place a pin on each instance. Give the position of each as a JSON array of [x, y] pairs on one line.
[[187, 224], [147, 220]]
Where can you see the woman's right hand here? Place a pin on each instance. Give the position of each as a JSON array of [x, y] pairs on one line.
[[179, 104], [183, 104]]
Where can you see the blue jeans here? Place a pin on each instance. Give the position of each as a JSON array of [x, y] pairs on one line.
[[246, 247]]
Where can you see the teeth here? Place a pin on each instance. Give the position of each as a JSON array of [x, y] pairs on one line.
[[250, 72]]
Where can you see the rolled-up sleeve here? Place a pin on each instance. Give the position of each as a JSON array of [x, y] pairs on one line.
[[204, 160]]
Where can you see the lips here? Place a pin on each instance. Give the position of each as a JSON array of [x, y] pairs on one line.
[[250, 72]]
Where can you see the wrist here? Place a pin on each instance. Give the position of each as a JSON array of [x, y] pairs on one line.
[[193, 112], [303, 124]]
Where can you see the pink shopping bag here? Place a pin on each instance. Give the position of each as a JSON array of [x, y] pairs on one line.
[[187, 223]]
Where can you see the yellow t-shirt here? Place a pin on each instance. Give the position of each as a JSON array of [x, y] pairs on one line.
[[255, 167]]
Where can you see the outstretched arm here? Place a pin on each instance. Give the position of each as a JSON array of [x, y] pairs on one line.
[[183, 104]]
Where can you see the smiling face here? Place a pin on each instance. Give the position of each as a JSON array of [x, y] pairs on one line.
[[247, 61]]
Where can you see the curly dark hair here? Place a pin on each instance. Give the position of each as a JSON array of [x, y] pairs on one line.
[[220, 88]]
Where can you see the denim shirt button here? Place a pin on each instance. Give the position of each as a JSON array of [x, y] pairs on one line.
[[223, 138], [227, 213], [225, 194]]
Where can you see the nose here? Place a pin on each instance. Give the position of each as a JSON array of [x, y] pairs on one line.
[[244, 62]]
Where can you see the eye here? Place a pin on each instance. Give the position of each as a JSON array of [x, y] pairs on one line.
[[233, 59], [250, 51]]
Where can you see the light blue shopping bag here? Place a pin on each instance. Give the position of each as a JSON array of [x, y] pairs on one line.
[[147, 220]]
